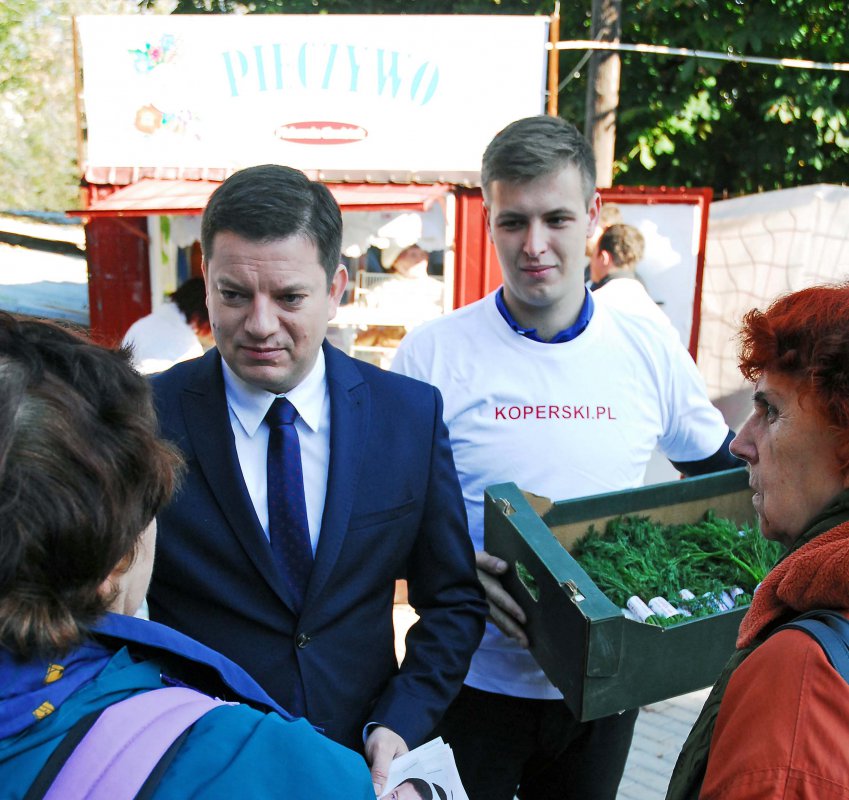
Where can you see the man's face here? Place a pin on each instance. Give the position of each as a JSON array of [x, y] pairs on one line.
[[403, 792], [269, 306], [410, 258], [540, 229]]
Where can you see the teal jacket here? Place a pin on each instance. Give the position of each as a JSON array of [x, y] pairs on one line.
[[232, 751]]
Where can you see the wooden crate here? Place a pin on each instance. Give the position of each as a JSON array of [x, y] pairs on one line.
[[601, 661]]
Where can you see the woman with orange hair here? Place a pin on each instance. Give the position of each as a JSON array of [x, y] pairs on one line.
[[776, 724]]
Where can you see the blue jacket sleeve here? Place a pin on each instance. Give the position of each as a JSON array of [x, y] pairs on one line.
[[236, 751]]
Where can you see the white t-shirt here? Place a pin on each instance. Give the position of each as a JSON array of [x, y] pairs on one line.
[[631, 297], [162, 339], [560, 420]]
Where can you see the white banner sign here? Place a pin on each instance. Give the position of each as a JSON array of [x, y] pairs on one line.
[[414, 95]]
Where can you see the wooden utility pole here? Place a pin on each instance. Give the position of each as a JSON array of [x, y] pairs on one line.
[[603, 88], [553, 61]]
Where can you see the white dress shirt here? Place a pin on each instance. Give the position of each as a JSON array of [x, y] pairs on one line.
[[248, 406]]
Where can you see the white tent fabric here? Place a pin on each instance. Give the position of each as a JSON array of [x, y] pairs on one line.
[[759, 247]]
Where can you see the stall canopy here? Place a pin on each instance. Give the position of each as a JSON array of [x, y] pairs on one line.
[[153, 196]]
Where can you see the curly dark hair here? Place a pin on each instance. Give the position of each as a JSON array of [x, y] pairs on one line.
[[82, 474]]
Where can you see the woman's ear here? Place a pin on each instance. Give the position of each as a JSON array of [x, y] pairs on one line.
[[112, 589], [126, 586]]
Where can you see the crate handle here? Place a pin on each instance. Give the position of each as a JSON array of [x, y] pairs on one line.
[[527, 580], [504, 506], [572, 589]]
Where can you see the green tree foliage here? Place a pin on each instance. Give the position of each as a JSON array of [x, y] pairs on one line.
[[738, 127], [39, 168], [38, 157]]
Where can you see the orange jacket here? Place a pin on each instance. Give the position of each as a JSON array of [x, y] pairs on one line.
[[783, 725]]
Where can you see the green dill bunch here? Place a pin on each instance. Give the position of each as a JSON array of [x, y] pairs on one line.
[[638, 556]]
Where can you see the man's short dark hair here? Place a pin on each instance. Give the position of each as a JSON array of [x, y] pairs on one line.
[[269, 202], [422, 787], [625, 244], [190, 298], [536, 146]]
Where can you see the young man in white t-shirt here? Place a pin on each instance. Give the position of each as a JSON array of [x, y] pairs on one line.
[[566, 398]]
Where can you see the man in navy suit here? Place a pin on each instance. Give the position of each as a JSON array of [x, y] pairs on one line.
[[382, 498]]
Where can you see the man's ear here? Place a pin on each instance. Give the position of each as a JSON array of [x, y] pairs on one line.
[[337, 289], [606, 262], [488, 221], [205, 272], [593, 214]]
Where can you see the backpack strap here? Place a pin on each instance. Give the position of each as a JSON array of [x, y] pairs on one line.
[[831, 630], [60, 755], [125, 743]]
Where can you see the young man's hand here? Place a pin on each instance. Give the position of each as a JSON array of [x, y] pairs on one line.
[[504, 611]]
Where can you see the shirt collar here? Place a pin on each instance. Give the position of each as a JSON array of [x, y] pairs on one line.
[[250, 404], [566, 335]]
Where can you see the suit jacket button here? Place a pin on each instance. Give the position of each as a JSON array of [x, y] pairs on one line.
[[303, 640]]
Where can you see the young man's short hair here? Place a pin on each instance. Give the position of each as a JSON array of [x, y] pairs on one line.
[[536, 146]]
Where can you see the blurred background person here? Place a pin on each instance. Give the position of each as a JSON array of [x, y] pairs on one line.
[[610, 214], [613, 273], [619, 249], [82, 474], [776, 723], [176, 330], [411, 282], [407, 292]]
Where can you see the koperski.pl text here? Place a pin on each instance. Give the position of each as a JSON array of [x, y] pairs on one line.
[[554, 412]]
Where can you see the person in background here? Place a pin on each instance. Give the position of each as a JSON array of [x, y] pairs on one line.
[[613, 271], [176, 331], [610, 214], [315, 482], [567, 398], [411, 285], [776, 724], [408, 293], [82, 474], [618, 251]]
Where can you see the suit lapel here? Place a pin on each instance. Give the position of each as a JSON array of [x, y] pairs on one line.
[[349, 414], [207, 420]]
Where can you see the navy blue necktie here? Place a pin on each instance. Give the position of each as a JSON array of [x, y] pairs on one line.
[[287, 509]]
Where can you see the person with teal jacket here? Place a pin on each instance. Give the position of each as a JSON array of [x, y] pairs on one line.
[[82, 475]]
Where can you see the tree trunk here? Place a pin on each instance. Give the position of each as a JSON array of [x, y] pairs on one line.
[[603, 88]]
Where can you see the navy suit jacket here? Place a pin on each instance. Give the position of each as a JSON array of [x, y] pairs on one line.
[[393, 510]]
